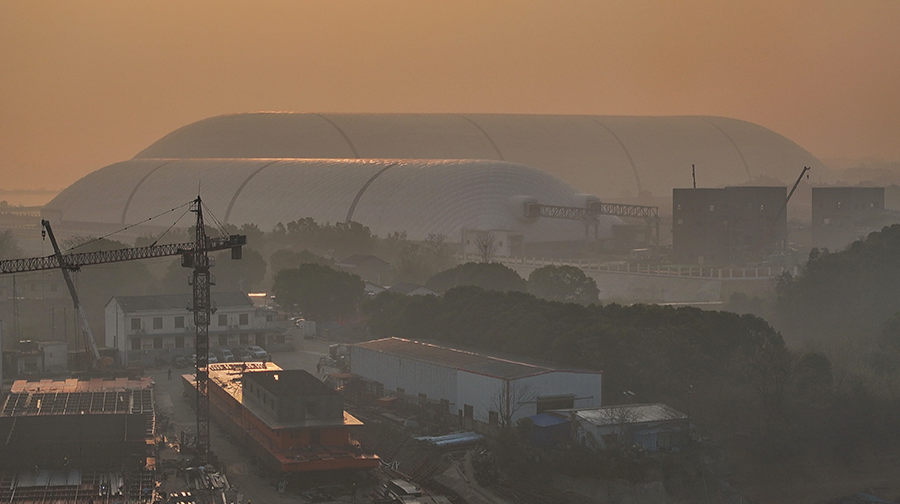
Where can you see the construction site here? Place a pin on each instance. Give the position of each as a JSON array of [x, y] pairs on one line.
[[78, 441], [106, 433]]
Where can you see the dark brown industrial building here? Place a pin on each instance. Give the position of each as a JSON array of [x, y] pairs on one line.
[[731, 225], [842, 215], [78, 441]]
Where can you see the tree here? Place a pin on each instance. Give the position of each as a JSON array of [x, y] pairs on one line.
[[842, 298], [486, 244], [231, 275], [286, 258], [509, 400], [242, 275], [488, 276], [321, 293], [9, 246], [417, 262], [563, 283]]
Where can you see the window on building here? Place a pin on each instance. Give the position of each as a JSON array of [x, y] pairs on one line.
[[135, 343], [223, 320], [279, 338], [157, 322], [244, 339], [712, 208], [179, 341], [223, 340], [135, 324], [680, 221], [158, 343], [179, 322], [244, 319]]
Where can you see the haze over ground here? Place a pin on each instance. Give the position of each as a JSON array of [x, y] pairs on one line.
[[85, 84]]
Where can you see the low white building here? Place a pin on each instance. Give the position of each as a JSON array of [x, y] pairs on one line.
[[147, 329], [480, 390], [37, 357], [651, 426]]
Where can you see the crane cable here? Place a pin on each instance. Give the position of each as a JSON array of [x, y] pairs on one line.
[[219, 225], [170, 227], [131, 226]]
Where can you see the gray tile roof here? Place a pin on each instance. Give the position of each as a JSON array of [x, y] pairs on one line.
[[158, 302]]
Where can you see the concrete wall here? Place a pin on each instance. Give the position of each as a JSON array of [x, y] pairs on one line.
[[56, 359], [632, 287]]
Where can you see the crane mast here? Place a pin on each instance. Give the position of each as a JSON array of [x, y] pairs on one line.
[[201, 281], [193, 255]]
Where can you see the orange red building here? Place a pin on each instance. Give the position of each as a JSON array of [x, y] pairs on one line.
[[289, 419]]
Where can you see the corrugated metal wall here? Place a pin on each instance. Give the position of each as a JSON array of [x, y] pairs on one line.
[[413, 376], [461, 388]]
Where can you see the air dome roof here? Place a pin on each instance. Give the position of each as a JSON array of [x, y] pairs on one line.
[[608, 156], [416, 196]]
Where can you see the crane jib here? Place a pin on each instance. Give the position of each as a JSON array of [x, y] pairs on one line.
[[76, 261]]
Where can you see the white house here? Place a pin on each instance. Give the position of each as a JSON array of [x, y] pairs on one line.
[[159, 327], [479, 389], [652, 426]]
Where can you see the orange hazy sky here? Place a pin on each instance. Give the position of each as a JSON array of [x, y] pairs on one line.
[[87, 83]]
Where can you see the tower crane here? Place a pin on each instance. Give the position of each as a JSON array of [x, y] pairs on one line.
[[194, 255]]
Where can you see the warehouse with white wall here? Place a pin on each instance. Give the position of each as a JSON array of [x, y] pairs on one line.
[[481, 390]]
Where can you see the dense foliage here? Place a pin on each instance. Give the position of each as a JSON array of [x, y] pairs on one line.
[[654, 351], [287, 258], [319, 292], [490, 276], [782, 411], [342, 238], [845, 296], [563, 283], [9, 246]]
